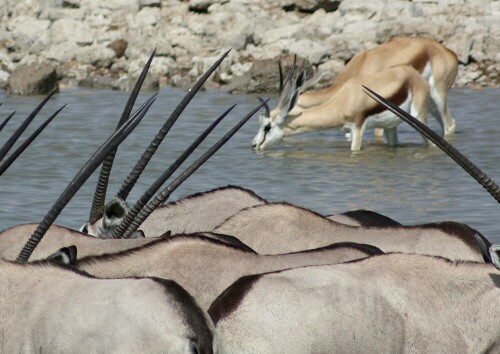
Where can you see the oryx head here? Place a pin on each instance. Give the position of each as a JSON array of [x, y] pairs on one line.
[[272, 123], [114, 213]]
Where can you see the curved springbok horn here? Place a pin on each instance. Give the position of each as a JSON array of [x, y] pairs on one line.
[[280, 70], [5, 165], [463, 161], [6, 120], [8, 145], [288, 86], [90, 166], [266, 107], [132, 178], [165, 193], [120, 230], [97, 208]]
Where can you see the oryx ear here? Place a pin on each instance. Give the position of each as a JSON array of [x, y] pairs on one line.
[[137, 234], [484, 246], [65, 256], [495, 255]]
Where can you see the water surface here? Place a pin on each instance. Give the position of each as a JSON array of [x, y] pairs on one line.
[[410, 183]]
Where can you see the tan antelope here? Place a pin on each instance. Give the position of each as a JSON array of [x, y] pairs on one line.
[[393, 303], [205, 266], [437, 64], [281, 227], [46, 309], [348, 108]]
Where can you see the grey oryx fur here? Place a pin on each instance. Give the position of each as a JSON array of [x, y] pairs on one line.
[[394, 303], [46, 309], [205, 267], [281, 227]]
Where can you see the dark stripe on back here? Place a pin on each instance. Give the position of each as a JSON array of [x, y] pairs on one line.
[[397, 98], [363, 247], [202, 194], [230, 299], [175, 238], [458, 230], [193, 313], [368, 218]]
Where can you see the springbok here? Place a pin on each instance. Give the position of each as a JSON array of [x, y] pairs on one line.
[[348, 108], [437, 64], [394, 303], [205, 266], [46, 309], [281, 227]]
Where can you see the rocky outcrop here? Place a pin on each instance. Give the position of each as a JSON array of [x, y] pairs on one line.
[[105, 43], [36, 78]]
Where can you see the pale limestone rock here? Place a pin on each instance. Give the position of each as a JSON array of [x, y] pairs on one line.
[[65, 30]]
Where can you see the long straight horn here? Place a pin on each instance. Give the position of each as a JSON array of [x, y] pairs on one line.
[[463, 161], [6, 120], [120, 230], [99, 199], [12, 140], [132, 178], [165, 193], [90, 166], [6, 164]]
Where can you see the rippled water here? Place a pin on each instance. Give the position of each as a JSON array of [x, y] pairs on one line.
[[410, 183]]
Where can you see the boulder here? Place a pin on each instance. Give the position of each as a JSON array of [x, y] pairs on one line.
[[37, 78]]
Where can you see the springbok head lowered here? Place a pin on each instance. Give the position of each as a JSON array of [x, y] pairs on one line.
[[272, 123]]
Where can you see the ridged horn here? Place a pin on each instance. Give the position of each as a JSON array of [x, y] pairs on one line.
[[12, 140], [99, 199], [457, 156], [90, 166], [165, 193], [6, 164], [132, 178], [6, 120], [150, 192]]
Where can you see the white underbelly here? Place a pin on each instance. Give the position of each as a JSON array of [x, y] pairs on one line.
[[387, 119]]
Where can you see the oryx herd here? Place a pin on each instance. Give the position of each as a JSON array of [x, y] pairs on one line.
[[226, 271]]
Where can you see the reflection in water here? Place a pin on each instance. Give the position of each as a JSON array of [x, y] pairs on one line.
[[411, 183]]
